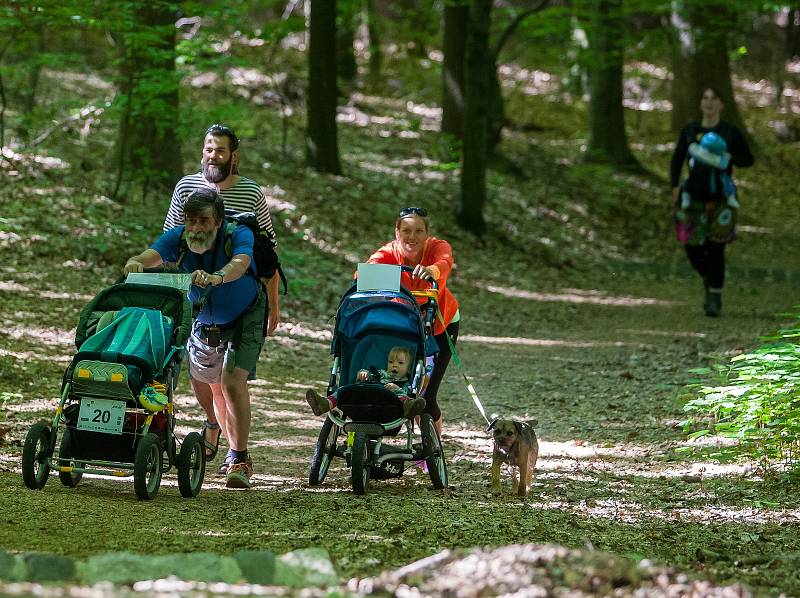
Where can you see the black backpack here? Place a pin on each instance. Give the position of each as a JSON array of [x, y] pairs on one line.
[[265, 258]]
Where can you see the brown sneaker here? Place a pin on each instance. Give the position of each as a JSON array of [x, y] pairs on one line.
[[239, 474], [413, 407], [318, 404]]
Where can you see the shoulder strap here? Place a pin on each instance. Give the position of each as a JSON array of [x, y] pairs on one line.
[[230, 226]]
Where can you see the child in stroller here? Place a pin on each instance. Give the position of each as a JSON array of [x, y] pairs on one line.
[[373, 326], [395, 378]]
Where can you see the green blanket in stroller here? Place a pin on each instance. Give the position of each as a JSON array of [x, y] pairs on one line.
[[136, 335]]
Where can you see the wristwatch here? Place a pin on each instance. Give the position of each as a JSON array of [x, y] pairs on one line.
[[221, 274]]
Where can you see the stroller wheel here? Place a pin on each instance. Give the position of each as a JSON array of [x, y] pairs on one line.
[[36, 455], [191, 465], [324, 452], [360, 463], [147, 467], [434, 453], [66, 450]]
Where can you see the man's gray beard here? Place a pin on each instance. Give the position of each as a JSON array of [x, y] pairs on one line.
[[217, 174], [202, 247]]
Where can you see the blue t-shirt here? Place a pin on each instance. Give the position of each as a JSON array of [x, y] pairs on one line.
[[227, 301]]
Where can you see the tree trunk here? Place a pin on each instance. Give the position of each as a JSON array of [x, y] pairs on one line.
[[417, 15], [469, 210], [148, 140], [375, 56], [345, 36], [711, 66], [497, 108], [456, 18], [322, 149], [35, 69], [683, 95], [608, 142], [702, 61]]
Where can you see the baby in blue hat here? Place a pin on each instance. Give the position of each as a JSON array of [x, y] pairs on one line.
[[713, 151]]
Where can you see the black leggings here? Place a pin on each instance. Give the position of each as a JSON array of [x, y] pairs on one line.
[[709, 261], [440, 363]]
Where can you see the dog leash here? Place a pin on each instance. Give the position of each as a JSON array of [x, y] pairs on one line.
[[457, 361]]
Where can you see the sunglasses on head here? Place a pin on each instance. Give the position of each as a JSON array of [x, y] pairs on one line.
[[217, 129], [413, 210]]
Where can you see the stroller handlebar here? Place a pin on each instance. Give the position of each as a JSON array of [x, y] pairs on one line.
[[431, 281], [431, 294]]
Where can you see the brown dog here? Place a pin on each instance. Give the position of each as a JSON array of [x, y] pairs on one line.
[[515, 444]]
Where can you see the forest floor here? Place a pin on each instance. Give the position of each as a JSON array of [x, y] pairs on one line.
[[600, 363], [577, 309]]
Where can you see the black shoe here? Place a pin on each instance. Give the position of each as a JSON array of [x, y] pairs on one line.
[[713, 304]]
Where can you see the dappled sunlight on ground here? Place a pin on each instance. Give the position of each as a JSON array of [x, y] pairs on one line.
[[28, 356], [529, 82], [308, 235], [631, 512], [53, 337], [415, 175], [591, 296], [536, 342], [673, 333], [283, 442], [14, 287], [45, 406], [305, 330]]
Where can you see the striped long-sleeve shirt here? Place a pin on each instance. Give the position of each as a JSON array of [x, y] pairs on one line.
[[245, 196]]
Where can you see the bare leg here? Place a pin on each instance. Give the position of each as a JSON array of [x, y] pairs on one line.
[[207, 397], [220, 408], [237, 401]]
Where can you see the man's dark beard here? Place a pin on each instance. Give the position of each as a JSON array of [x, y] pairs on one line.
[[216, 174]]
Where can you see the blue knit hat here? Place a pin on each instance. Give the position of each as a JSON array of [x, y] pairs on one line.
[[713, 143]]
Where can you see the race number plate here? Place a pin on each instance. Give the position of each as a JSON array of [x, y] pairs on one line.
[[101, 415]]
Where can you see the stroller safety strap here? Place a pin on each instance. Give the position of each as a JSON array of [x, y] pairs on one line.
[[457, 361]]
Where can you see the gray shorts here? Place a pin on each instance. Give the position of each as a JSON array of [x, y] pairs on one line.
[[205, 361]]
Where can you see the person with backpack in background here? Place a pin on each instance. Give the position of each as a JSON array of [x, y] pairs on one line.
[[226, 335], [220, 171], [705, 201]]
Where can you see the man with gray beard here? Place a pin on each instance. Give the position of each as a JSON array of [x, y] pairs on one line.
[[226, 335]]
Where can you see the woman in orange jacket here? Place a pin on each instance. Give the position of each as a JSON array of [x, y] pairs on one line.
[[432, 259]]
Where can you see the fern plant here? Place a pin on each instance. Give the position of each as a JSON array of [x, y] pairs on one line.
[[755, 402]]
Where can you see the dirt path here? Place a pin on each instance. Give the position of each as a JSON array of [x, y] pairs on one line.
[[600, 364]]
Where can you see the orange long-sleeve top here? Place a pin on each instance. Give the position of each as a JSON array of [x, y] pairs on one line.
[[437, 253]]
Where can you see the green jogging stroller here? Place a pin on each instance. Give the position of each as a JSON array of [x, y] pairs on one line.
[[116, 414]]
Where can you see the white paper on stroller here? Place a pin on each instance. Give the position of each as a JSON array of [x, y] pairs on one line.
[[181, 281], [378, 277]]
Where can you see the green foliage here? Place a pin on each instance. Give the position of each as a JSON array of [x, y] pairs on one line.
[[755, 401], [6, 399]]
